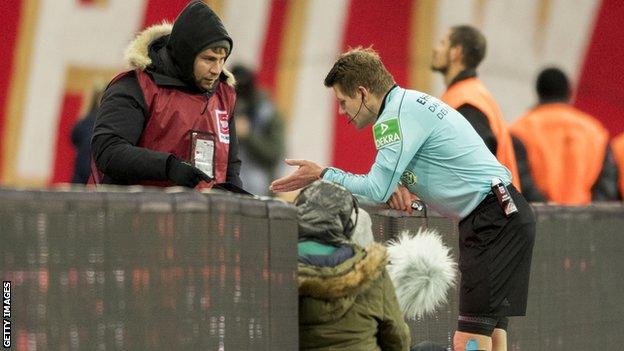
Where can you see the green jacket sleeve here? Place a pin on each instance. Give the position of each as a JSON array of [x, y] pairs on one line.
[[394, 334]]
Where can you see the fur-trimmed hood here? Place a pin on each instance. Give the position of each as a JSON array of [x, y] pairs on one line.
[[348, 278], [327, 294], [137, 54], [350, 306]]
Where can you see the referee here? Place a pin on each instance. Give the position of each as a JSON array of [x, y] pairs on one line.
[[426, 148]]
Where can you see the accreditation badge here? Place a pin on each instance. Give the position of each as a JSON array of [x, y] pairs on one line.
[[202, 152]]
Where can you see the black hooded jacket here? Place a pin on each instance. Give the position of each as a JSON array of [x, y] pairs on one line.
[[167, 55]]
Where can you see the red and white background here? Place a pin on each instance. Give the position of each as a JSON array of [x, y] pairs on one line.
[[54, 50]]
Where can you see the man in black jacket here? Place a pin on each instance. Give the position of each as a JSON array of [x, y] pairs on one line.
[[169, 121]]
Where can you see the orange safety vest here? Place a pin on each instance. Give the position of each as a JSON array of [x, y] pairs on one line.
[[617, 145], [566, 149], [471, 91]]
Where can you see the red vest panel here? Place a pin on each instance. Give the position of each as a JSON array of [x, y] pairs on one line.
[[174, 114]]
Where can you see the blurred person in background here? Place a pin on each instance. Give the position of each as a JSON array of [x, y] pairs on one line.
[[169, 121], [530, 191], [81, 137], [260, 132], [618, 152], [426, 148], [456, 56], [346, 298], [567, 149]]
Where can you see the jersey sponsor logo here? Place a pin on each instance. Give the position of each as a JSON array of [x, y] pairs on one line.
[[223, 126], [408, 178], [387, 133]]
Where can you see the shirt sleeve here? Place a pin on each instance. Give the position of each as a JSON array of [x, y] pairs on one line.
[[393, 156], [529, 189], [606, 186], [394, 334], [234, 162]]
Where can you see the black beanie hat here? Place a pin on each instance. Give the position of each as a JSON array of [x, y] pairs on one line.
[[196, 28]]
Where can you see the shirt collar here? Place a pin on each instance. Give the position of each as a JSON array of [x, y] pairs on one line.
[[465, 74], [383, 101], [553, 100]]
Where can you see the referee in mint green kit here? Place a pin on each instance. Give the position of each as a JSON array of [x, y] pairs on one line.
[[426, 148]]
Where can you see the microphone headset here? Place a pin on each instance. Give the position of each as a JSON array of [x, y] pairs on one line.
[[359, 109]]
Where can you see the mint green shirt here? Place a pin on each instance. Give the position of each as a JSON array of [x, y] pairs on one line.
[[432, 149]]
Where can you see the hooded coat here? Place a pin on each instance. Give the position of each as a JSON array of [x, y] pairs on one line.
[[346, 298], [162, 59], [351, 305]]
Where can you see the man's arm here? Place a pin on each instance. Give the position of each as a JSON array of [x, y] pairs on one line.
[[479, 121], [118, 127], [529, 188], [606, 186], [234, 163], [379, 184], [394, 334], [395, 152]]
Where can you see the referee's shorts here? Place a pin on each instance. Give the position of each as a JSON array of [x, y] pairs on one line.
[[495, 258]]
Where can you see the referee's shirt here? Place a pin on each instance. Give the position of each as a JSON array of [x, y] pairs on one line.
[[431, 149]]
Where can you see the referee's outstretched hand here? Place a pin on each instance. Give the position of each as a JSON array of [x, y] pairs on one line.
[[307, 173], [184, 174]]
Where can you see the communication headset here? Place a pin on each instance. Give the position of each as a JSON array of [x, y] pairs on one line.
[[359, 109]]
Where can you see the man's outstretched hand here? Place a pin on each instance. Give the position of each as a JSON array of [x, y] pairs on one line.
[[307, 173]]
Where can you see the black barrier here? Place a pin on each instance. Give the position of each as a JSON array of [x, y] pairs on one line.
[[150, 270], [575, 294]]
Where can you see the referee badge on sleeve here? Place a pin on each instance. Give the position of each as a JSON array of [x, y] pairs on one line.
[[409, 178]]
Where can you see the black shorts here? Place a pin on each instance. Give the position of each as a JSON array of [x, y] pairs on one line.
[[495, 258]]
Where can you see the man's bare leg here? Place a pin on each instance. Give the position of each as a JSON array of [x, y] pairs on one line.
[[499, 340], [460, 339]]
